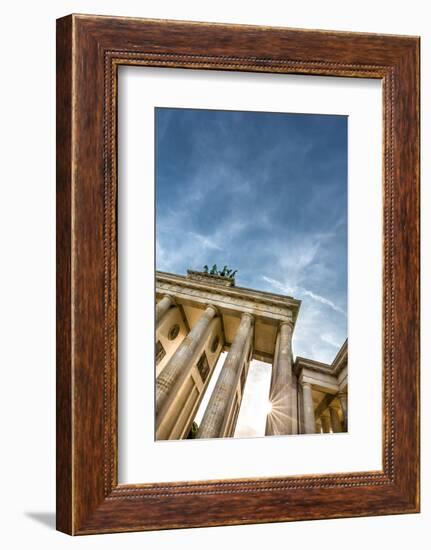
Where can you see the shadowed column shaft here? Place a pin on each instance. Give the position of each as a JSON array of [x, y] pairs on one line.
[[180, 364], [342, 396], [220, 404], [268, 425], [162, 307], [294, 404], [307, 399], [335, 420], [326, 423], [279, 421]]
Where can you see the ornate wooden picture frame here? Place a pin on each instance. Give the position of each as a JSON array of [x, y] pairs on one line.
[[89, 51]]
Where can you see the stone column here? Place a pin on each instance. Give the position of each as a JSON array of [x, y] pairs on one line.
[[335, 420], [307, 399], [294, 404], [163, 306], [279, 421], [181, 363], [342, 396], [301, 424], [269, 421], [326, 423], [218, 411]]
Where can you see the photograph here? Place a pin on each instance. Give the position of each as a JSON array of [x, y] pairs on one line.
[[251, 273], [213, 315]]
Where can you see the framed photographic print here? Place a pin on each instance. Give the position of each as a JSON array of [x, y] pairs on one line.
[[237, 274]]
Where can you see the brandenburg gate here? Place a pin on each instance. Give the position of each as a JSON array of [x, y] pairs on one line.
[[198, 317]]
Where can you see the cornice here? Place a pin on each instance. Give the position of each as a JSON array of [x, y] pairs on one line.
[[334, 368], [236, 293]]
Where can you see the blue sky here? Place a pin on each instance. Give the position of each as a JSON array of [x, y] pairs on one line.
[[265, 193]]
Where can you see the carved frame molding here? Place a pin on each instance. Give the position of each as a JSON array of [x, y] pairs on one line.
[[89, 51]]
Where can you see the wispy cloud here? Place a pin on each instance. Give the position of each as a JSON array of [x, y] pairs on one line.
[[205, 242], [323, 300], [301, 292], [329, 340]]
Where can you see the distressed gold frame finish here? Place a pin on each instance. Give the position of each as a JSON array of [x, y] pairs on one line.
[[89, 51]]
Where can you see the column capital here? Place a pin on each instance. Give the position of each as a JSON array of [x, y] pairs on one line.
[[247, 315], [170, 297], [163, 306], [288, 323], [306, 385], [212, 306]]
